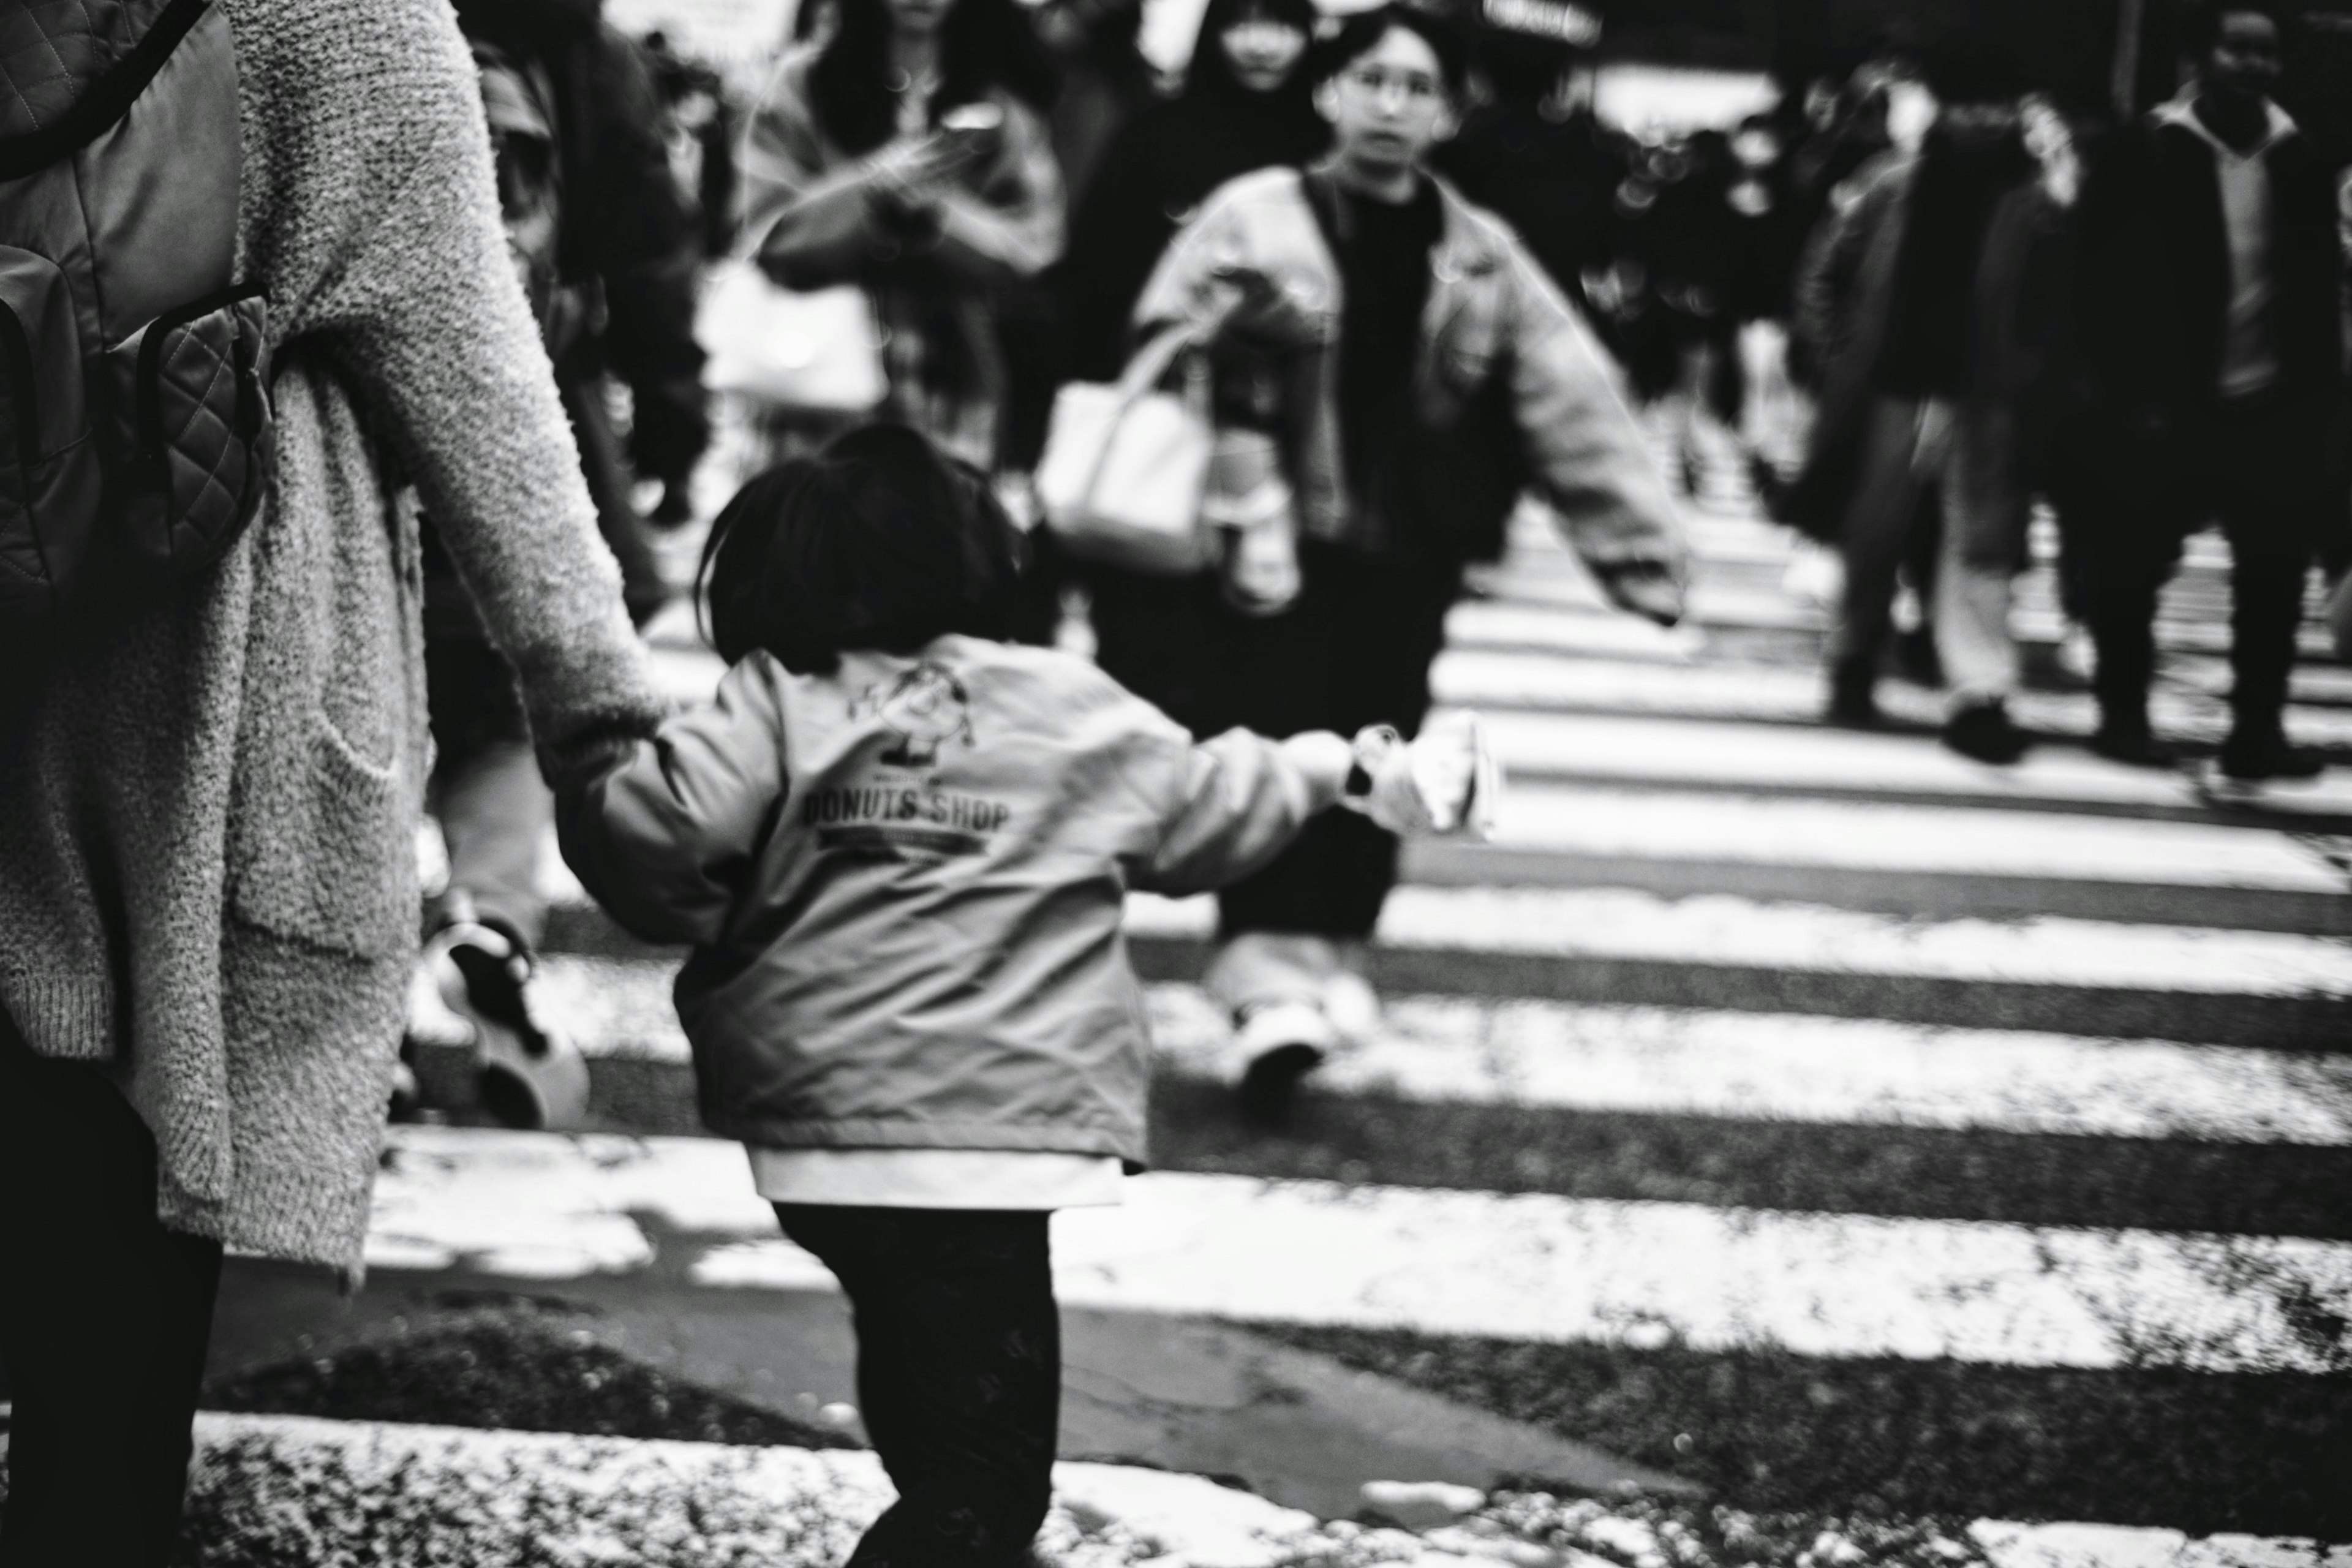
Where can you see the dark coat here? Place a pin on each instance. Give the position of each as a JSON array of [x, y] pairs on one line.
[[1845, 298], [2181, 301]]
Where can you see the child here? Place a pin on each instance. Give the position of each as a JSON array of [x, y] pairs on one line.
[[900, 848]]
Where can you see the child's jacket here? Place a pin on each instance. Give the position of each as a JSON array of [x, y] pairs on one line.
[[903, 882]]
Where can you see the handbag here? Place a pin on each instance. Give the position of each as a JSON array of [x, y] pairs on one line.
[[1126, 465], [818, 351]]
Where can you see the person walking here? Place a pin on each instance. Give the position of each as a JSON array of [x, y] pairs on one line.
[[900, 846], [607, 251], [1247, 104], [1923, 389], [1428, 372], [208, 803], [850, 175], [2208, 290]]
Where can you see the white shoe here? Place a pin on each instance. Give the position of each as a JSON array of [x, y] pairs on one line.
[[1279, 1044], [1351, 1007], [531, 1074]]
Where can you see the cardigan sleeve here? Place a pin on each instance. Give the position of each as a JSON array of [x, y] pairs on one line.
[[429, 320]]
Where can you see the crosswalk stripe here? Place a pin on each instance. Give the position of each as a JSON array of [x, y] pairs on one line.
[[602, 1498], [1525, 1267], [1784, 695], [1701, 1063], [1618, 923], [1659, 824], [1725, 754]]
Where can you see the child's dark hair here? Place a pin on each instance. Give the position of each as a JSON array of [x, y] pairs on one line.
[[1360, 34], [879, 540]]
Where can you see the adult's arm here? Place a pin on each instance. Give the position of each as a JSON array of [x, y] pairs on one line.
[[1011, 225], [813, 220], [1585, 454], [664, 837], [428, 319]]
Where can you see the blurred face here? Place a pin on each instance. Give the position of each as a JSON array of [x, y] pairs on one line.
[[1263, 52], [919, 18], [1389, 106], [2244, 62]]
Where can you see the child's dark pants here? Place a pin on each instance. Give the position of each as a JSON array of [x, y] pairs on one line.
[[958, 1373]]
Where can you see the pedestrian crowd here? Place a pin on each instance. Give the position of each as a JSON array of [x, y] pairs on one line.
[[398, 386]]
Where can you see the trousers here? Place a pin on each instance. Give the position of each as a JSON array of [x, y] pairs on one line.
[[958, 1374], [1969, 453], [495, 810], [1355, 650], [104, 1315], [2259, 467]]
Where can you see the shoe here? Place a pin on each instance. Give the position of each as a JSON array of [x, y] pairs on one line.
[[1982, 732], [1854, 702], [2267, 759], [2133, 746], [1352, 1007], [1282, 1042], [529, 1074]]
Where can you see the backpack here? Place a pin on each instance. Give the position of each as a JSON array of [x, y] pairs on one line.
[[135, 407]]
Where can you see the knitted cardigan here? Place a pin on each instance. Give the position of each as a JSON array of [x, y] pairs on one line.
[[207, 862]]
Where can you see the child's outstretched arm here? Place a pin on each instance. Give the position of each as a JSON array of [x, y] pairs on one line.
[[663, 838], [1241, 798], [1236, 802]]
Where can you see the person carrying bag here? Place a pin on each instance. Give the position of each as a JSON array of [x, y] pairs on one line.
[[1136, 476]]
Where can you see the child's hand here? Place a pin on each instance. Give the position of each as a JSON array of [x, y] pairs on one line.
[[1444, 782]]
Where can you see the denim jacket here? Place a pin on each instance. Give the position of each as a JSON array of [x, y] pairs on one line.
[[1511, 391]]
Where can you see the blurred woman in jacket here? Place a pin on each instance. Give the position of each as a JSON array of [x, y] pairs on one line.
[[850, 177], [1247, 104]]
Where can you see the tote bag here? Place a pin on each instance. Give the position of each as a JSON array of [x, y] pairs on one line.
[[815, 353], [1126, 465]]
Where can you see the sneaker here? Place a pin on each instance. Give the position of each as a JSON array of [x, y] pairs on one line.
[[1854, 702], [530, 1075], [1281, 1042], [1982, 732], [2267, 759], [1352, 1007], [2133, 746]]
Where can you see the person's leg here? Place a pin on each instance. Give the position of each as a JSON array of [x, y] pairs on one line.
[[2130, 522], [958, 1373], [104, 1315], [1984, 529], [2268, 472], [1878, 527]]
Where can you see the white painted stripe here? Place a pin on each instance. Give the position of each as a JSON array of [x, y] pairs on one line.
[[1664, 825], [1800, 758], [1790, 1067], [1527, 1266], [1609, 922], [1679, 1062], [1784, 694], [620, 1500], [2007, 1544], [601, 1499]]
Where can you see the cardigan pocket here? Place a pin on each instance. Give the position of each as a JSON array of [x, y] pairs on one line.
[[334, 864], [323, 830]]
